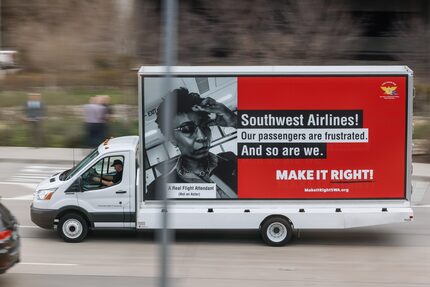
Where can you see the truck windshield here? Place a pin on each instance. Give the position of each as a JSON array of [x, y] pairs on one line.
[[83, 163]]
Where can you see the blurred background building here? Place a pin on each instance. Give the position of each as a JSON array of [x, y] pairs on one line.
[[71, 50], [79, 35]]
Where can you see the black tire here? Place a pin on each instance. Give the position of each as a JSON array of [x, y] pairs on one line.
[[276, 231], [72, 228]]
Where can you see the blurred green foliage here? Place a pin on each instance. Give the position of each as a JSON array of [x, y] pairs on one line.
[[422, 100], [64, 94], [68, 96], [422, 130], [59, 132], [64, 125]]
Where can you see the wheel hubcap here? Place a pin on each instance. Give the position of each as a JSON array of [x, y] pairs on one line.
[[72, 228], [277, 232]]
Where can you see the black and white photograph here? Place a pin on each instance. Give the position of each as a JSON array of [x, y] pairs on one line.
[[200, 150]]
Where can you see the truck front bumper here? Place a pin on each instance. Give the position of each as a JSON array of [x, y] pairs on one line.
[[43, 217]]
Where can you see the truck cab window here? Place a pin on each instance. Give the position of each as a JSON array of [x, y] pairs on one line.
[[106, 172]]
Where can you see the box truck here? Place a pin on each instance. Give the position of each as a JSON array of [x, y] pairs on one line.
[[273, 148]]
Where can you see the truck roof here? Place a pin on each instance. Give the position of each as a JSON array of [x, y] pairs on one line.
[[119, 144], [274, 70]]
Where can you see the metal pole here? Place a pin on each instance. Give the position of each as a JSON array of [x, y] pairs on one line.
[[0, 26], [170, 14]]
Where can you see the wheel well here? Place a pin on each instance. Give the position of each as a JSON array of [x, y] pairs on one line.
[[76, 211], [276, 215]]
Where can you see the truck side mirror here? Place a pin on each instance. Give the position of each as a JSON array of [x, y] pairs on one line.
[[76, 186]]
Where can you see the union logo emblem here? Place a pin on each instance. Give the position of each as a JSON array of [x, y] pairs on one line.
[[389, 88]]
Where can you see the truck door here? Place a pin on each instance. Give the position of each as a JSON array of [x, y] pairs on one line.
[[105, 194]]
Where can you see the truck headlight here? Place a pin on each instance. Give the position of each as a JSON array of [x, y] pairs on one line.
[[45, 194]]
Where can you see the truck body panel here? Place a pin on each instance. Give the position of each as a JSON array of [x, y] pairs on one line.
[[359, 95], [251, 215]]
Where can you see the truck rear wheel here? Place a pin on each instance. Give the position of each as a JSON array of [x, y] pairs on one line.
[[276, 231], [72, 228]]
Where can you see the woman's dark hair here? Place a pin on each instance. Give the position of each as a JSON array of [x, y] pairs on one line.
[[184, 101]]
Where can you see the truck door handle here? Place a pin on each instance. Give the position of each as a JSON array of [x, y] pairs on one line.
[[121, 191]]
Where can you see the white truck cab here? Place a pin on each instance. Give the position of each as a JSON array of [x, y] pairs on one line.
[[77, 199]]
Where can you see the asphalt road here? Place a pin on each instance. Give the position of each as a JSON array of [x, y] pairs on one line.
[[390, 255]]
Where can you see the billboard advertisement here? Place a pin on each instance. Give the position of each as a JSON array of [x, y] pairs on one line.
[[277, 137]]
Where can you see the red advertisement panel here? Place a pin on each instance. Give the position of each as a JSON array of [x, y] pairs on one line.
[[318, 137]]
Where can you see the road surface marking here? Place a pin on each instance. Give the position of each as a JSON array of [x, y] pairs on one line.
[[36, 173], [28, 185], [48, 264], [28, 226], [23, 175], [23, 197]]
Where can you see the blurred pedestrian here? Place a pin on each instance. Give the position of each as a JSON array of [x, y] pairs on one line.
[[34, 114], [105, 101], [94, 114]]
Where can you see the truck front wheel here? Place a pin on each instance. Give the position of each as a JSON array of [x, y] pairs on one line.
[[72, 228], [276, 231]]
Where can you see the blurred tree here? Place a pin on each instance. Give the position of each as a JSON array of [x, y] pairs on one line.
[[55, 36], [58, 36], [253, 32], [414, 42], [318, 32]]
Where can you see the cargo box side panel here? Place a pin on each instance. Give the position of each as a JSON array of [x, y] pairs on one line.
[[322, 137], [294, 137]]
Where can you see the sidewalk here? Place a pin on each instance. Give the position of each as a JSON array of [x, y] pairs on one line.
[[421, 171]]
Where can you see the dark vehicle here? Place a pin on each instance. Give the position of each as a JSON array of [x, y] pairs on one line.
[[9, 239]]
